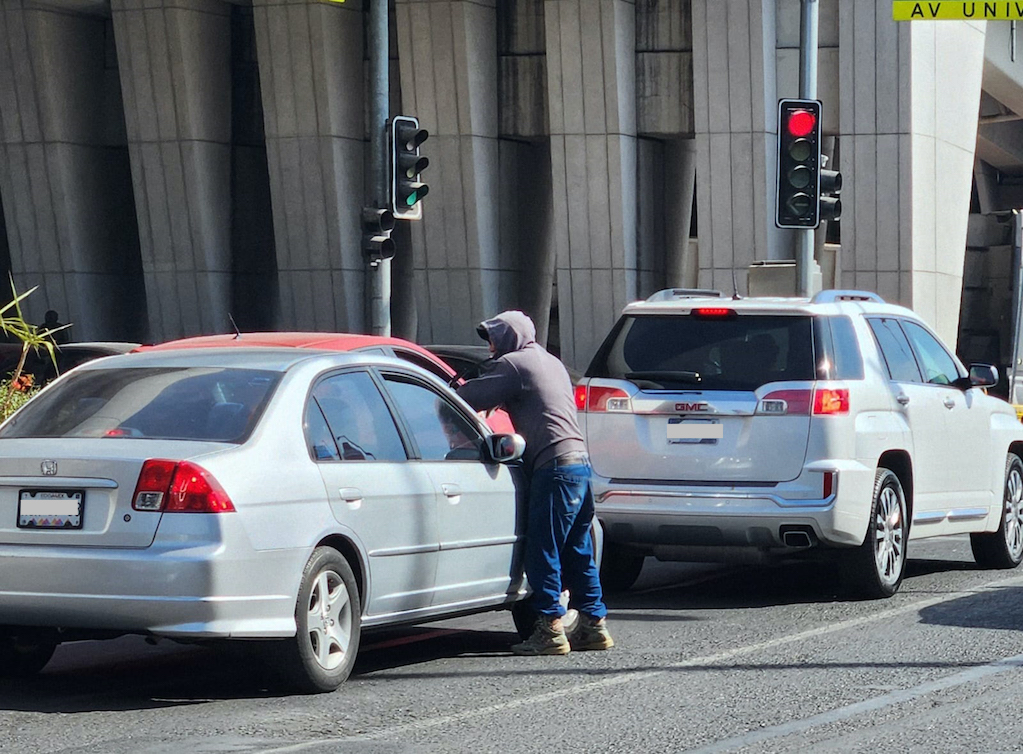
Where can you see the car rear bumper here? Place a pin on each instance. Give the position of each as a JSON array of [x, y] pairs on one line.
[[664, 515], [178, 592]]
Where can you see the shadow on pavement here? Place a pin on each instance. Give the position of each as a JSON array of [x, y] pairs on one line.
[[1000, 608]]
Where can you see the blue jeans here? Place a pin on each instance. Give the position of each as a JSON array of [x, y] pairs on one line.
[[559, 549]]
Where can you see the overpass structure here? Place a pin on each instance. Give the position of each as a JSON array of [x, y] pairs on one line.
[[166, 163]]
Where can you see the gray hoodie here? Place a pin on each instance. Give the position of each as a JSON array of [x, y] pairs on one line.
[[533, 387]]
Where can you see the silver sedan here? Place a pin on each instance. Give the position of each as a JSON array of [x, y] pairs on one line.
[[251, 493]]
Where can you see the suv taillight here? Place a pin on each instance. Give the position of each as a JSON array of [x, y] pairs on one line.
[[830, 401], [785, 403], [602, 399], [179, 487]]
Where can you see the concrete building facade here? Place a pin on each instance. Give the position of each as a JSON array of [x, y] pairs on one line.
[[167, 166]]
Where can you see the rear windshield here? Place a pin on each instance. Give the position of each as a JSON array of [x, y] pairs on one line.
[[672, 352], [190, 403]]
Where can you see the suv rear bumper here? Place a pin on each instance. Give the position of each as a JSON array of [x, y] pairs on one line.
[[665, 515]]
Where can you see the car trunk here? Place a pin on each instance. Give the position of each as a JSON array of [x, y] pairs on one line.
[[44, 482]]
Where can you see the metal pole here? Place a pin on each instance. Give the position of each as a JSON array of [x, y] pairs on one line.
[[379, 112], [807, 90]]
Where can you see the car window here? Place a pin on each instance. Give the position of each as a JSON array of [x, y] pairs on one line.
[[680, 351], [359, 420], [179, 403], [318, 435], [895, 349], [421, 361], [439, 429], [938, 366]]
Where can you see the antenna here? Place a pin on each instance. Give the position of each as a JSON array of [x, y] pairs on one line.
[[237, 332], [735, 287]]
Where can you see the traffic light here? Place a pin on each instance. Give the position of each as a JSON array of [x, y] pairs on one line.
[[407, 191], [799, 164], [377, 225], [831, 185]]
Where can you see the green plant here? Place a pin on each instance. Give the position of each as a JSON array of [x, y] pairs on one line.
[[18, 388]]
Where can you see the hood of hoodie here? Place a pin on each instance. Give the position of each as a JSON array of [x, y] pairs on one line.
[[508, 331]]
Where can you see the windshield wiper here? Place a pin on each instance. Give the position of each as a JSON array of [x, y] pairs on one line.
[[692, 378]]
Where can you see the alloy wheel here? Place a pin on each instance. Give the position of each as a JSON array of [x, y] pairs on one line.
[[329, 620], [1014, 512], [889, 547]]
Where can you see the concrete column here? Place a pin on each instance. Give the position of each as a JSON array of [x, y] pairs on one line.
[[735, 102], [680, 263], [64, 175], [175, 63], [311, 73], [448, 60], [908, 170], [591, 64]]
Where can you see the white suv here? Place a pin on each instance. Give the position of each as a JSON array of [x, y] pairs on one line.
[[724, 429]]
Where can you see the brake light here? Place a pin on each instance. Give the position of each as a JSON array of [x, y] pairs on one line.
[[580, 397], [785, 403], [179, 487], [829, 483], [713, 312], [602, 399], [830, 401]]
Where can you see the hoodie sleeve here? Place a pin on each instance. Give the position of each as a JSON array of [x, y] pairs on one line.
[[500, 384]]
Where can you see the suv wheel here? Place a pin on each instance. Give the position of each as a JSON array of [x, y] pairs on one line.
[[875, 568], [1004, 548], [619, 567]]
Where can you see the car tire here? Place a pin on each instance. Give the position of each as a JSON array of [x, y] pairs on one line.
[[21, 657], [328, 618], [619, 568], [875, 569], [1003, 548]]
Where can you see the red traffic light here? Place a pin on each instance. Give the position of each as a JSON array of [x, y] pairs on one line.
[[801, 122]]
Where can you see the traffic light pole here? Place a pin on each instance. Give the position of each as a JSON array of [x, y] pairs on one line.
[[807, 90], [379, 111]]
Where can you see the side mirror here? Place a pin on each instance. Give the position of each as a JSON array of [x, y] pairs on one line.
[[505, 448], [983, 375]]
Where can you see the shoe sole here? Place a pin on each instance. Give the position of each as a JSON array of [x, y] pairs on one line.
[[541, 652], [592, 647]]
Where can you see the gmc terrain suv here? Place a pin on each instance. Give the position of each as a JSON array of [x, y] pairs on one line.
[[724, 429]]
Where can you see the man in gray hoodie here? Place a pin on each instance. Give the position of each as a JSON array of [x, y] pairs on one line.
[[536, 391]]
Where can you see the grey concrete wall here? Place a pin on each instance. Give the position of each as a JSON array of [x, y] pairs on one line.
[[175, 67], [591, 64], [734, 52], [64, 174], [312, 77], [449, 71]]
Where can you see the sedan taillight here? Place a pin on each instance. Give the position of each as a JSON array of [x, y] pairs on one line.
[[602, 399], [179, 487]]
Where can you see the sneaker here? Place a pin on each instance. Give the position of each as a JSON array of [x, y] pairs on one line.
[[548, 638], [590, 633]]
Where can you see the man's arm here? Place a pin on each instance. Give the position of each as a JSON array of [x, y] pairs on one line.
[[499, 385]]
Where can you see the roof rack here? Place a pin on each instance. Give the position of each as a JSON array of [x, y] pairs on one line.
[[831, 296], [670, 294]]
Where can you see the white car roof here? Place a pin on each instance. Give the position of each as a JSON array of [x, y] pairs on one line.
[[680, 301], [249, 357]]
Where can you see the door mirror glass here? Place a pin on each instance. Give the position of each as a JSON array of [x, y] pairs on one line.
[[505, 448], [983, 375]]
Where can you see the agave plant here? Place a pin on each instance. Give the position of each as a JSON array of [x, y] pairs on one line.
[[19, 387]]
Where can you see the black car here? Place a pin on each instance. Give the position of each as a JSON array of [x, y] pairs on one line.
[[69, 355]]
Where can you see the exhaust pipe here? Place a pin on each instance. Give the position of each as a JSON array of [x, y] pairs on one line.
[[798, 537]]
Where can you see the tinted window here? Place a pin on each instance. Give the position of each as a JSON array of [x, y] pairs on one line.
[[895, 350], [421, 361], [837, 350], [938, 366], [359, 420], [440, 431], [677, 352], [188, 403], [318, 435]]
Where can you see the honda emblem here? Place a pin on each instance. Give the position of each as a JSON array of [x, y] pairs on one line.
[[49, 468]]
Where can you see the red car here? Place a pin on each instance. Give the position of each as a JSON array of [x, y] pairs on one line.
[[326, 341]]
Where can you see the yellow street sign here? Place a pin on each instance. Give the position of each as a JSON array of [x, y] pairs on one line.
[[946, 10]]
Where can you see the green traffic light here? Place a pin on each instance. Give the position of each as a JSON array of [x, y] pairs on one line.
[[412, 199]]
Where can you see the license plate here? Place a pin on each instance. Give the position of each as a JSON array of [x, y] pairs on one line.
[[694, 431], [50, 509]]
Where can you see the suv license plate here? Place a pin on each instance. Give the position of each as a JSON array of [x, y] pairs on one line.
[[694, 431], [50, 509]]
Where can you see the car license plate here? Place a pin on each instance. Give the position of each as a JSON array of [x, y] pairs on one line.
[[694, 431], [50, 509]]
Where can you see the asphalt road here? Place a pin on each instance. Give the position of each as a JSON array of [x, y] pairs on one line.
[[708, 659]]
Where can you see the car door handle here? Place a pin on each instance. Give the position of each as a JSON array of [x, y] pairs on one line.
[[949, 402], [350, 494], [451, 490], [902, 398]]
